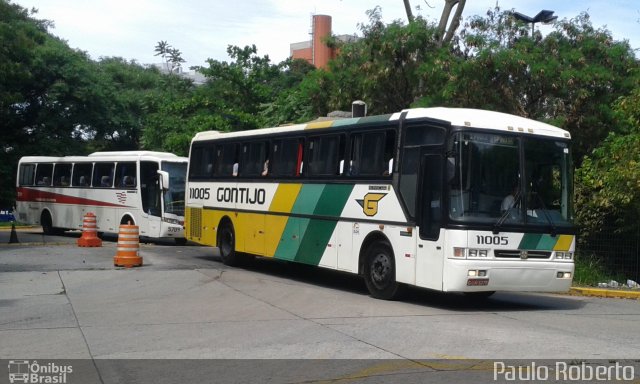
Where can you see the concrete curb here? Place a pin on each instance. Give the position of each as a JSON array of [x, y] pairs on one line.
[[609, 293]]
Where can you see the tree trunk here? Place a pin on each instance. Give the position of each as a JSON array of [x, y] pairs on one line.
[[407, 7], [446, 34]]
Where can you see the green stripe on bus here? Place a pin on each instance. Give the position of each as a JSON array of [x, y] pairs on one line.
[[547, 242], [529, 241], [374, 119], [296, 227], [318, 233], [538, 242], [343, 122]]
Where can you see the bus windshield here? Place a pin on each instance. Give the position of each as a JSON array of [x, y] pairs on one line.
[[174, 196], [505, 180]]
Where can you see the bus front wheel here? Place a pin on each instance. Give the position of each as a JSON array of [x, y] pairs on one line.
[[380, 272], [227, 244], [46, 223]]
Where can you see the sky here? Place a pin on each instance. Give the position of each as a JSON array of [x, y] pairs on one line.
[[203, 29]]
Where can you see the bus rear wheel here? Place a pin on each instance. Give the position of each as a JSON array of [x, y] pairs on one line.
[[227, 244], [380, 272]]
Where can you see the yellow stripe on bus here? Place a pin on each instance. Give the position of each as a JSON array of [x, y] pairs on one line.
[[319, 124], [282, 202], [564, 243]]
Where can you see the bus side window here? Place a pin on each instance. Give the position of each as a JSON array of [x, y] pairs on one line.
[[285, 157], [126, 175], [253, 159], [371, 153], [27, 173], [62, 175], [226, 160], [43, 174], [81, 174], [323, 155], [103, 175]]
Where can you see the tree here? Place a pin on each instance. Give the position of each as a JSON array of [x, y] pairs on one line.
[[445, 35], [571, 77], [608, 182], [172, 56], [383, 67]]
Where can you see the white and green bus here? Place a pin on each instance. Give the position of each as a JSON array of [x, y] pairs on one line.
[[454, 200]]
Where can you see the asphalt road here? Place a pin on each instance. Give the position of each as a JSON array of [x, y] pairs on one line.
[[58, 301]]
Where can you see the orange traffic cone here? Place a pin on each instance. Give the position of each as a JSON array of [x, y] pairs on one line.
[[128, 247], [89, 236]]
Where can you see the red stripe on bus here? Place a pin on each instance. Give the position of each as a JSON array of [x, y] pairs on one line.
[[35, 195]]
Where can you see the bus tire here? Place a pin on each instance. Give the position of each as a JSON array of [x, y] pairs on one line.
[[380, 272], [180, 240], [47, 223], [227, 244]]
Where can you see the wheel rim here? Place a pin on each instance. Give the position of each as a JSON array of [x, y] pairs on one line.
[[381, 270]]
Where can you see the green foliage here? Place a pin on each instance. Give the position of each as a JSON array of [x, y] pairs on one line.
[[608, 182], [385, 67], [570, 77], [589, 271]]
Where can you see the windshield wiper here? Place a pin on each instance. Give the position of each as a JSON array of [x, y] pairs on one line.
[[546, 214], [505, 214]]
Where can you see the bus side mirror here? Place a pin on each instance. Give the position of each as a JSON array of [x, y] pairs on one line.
[[164, 180]]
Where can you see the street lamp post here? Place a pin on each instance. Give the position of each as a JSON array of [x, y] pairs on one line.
[[544, 16]]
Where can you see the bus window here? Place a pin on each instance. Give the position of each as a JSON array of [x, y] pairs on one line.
[[62, 175], [201, 166], [253, 158], [43, 174], [126, 175], [103, 175], [27, 172], [284, 157], [323, 155], [82, 174], [226, 160]]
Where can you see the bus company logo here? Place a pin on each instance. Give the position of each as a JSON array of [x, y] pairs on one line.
[[370, 203], [23, 371], [122, 197]]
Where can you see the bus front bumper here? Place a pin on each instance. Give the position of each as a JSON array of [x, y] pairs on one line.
[[497, 275]]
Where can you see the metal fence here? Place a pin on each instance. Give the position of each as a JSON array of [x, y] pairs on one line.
[[618, 253]]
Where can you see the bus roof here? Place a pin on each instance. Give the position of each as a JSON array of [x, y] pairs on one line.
[[108, 156], [463, 117]]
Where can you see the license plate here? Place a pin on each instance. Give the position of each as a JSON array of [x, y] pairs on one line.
[[477, 282]]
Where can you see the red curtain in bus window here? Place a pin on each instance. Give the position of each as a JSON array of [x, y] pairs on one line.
[[299, 162]]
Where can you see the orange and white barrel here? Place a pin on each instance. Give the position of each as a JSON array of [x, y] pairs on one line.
[[127, 253], [89, 236]]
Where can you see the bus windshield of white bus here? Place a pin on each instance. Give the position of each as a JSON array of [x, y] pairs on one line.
[[174, 196], [506, 180]]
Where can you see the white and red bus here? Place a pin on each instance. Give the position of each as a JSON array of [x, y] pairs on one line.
[[139, 187]]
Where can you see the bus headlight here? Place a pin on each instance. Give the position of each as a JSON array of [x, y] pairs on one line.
[[564, 255]]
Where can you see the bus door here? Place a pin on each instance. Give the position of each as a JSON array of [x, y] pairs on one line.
[[151, 196], [430, 249]]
